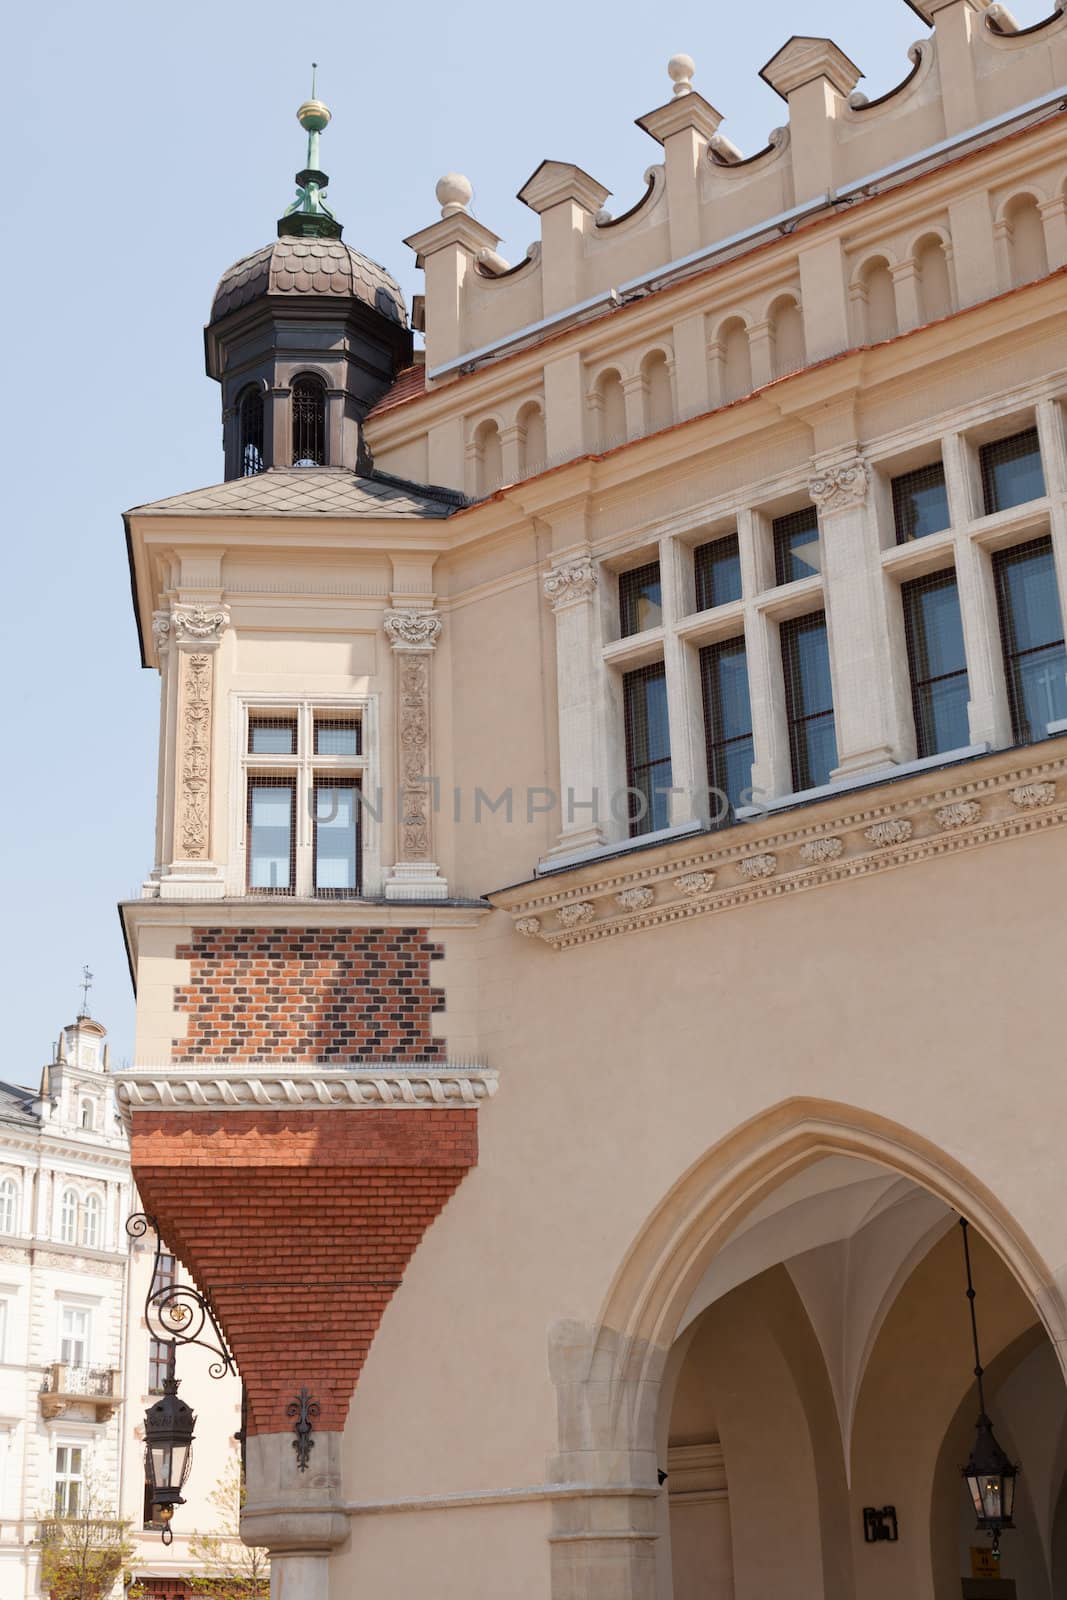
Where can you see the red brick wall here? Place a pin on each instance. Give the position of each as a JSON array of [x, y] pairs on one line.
[[300, 1224], [311, 994]]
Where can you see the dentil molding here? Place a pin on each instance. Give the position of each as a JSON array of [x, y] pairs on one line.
[[761, 859]]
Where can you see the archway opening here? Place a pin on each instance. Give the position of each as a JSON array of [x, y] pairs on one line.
[[821, 1371]]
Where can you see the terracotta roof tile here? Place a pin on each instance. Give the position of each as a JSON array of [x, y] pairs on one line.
[[408, 384]]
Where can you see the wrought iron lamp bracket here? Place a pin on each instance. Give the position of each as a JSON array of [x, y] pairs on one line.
[[177, 1313]]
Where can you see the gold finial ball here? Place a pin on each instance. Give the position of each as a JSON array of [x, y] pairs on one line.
[[313, 116]]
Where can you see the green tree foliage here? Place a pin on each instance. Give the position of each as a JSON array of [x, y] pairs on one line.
[[228, 1569]]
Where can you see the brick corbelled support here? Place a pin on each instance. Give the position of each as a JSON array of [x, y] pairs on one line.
[[300, 1224], [313, 994]]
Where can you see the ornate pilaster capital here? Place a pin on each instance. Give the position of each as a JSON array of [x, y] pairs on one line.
[[161, 631], [413, 630], [841, 487], [570, 581], [202, 626]]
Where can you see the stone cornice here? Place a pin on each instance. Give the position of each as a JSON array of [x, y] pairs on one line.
[[852, 835], [232, 1085]]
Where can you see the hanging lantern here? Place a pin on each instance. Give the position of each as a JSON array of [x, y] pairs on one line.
[[989, 1474], [168, 1449]]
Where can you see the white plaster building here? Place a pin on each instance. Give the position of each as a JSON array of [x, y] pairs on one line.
[[77, 1363]]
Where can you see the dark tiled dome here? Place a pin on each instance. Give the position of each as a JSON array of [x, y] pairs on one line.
[[309, 266]]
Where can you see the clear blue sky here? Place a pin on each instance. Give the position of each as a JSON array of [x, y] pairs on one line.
[[148, 147]]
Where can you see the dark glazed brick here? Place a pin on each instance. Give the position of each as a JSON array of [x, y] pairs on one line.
[[320, 995]]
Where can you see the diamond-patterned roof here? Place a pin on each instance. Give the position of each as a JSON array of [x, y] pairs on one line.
[[309, 266], [310, 492]]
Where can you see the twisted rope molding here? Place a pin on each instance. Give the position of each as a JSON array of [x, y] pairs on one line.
[[256, 1085]]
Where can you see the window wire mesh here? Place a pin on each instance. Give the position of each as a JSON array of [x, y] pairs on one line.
[[1031, 633], [920, 503], [809, 700], [309, 423], [272, 735], [796, 545], [727, 726], [717, 571], [338, 736], [648, 750], [937, 663], [271, 834], [1011, 471], [337, 814], [640, 599]]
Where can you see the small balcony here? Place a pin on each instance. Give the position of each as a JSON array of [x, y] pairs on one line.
[[67, 1386]]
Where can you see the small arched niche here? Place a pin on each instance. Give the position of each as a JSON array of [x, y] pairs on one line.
[[659, 401], [610, 405], [879, 301], [935, 285], [736, 359], [489, 461], [533, 450], [1027, 252], [787, 335]]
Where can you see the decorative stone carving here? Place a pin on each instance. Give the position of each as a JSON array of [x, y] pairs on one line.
[[634, 899], [1034, 794], [288, 1084], [529, 927], [758, 866], [161, 631], [693, 883], [959, 814], [817, 850], [413, 630], [194, 769], [198, 625], [570, 581], [840, 488], [895, 830], [413, 729], [575, 914]]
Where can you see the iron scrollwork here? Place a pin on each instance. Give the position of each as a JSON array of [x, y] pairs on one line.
[[176, 1313], [305, 1410]]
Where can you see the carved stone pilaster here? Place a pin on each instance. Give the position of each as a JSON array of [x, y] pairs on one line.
[[841, 487], [189, 635], [192, 827], [413, 636]]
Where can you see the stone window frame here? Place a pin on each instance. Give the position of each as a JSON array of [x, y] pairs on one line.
[[305, 764], [968, 545]]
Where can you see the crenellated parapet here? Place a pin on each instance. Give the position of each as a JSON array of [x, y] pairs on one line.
[[861, 220], [704, 196]]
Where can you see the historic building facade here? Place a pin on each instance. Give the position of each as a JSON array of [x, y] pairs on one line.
[[78, 1364], [606, 922]]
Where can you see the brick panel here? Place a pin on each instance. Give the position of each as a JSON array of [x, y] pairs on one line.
[[310, 994], [300, 1224]]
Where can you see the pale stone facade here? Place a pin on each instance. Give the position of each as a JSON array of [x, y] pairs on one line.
[[731, 1083], [74, 1347]]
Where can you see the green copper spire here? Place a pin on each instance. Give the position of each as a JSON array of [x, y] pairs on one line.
[[309, 217]]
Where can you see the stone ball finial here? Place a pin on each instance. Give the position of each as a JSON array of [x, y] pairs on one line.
[[454, 193], [313, 116], [681, 69]]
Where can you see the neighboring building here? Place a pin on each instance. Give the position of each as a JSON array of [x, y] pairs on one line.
[[76, 1360], [548, 1145]]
